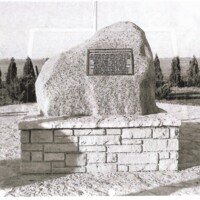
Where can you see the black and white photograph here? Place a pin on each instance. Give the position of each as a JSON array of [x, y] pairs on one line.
[[99, 98]]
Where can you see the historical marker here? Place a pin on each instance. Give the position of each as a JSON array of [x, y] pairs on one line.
[[110, 62]]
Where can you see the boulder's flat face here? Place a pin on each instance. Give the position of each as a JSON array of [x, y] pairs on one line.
[[64, 88]]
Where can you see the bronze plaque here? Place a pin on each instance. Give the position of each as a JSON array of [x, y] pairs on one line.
[[110, 62]]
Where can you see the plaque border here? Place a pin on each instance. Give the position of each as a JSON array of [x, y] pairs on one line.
[[121, 49]]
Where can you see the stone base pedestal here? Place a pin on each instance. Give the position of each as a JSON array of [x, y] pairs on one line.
[[89, 144]]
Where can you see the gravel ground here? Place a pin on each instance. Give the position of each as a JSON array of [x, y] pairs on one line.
[[185, 181]]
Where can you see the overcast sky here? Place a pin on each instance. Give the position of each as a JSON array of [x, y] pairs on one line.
[[42, 29]]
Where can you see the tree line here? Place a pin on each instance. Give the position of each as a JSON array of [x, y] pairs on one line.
[[21, 89], [175, 79]]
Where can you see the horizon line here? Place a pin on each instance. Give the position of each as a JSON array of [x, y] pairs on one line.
[[6, 58]]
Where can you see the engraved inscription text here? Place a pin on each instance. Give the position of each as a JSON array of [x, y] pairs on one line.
[[110, 62]]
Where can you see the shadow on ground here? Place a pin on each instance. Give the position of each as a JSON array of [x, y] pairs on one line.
[[168, 189], [10, 175], [189, 143]]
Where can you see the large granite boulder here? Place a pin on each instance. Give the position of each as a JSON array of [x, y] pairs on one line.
[[64, 88]]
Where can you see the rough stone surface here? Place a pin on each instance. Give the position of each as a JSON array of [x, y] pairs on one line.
[[44, 136], [54, 156], [131, 158], [174, 155], [96, 158], [160, 133], [63, 87], [35, 168], [155, 145], [36, 156], [92, 148], [65, 132], [174, 133], [161, 145], [103, 168], [143, 143], [99, 140], [122, 168], [75, 159], [124, 148], [173, 145], [131, 141], [71, 147], [168, 164], [164, 155], [146, 167], [31, 147], [113, 132], [25, 137], [26, 156], [89, 132], [111, 158], [58, 164], [65, 123], [68, 139], [136, 133], [102, 149]]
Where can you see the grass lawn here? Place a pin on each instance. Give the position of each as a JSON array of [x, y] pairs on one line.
[[184, 96], [192, 102]]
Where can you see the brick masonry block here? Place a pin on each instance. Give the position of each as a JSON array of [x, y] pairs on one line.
[[155, 145], [25, 156], [96, 157], [131, 141], [173, 145], [163, 155], [122, 168], [41, 136], [161, 133], [103, 150], [75, 159], [174, 132], [54, 148], [69, 170], [137, 158], [136, 133], [68, 139], [104, 168], [168, 165], [99, 140], [35, 167], [174, 155], [143, 167], [89, 132], [54, 156], [92, 148], [113, 131], [111, 158], [63, 132], [58, 164], [25, 137], [36, 156], [32, 147], [124, 148]]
